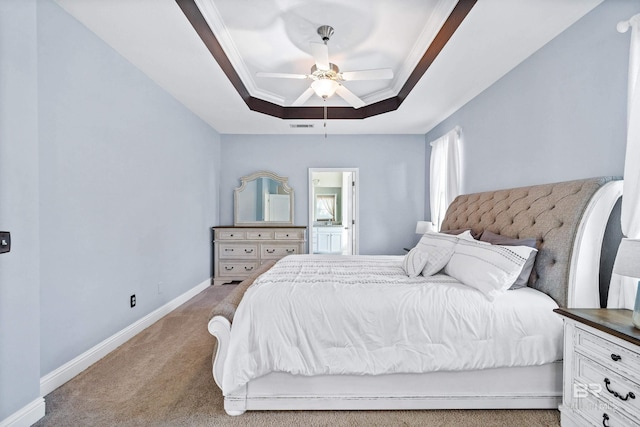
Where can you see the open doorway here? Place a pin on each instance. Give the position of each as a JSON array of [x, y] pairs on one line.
[[333, 211]]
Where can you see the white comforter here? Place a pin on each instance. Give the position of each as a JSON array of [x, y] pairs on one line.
[[315, 315]]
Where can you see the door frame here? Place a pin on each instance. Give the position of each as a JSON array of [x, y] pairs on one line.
[[355, 226]]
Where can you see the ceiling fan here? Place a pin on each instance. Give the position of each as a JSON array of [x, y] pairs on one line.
[[327, 77]]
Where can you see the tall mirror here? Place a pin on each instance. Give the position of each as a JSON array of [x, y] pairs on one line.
[[263, 198]]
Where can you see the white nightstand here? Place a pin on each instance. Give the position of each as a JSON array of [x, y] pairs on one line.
[[601, 384]]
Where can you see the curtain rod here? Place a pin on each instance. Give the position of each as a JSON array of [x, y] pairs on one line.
[[623, 26]]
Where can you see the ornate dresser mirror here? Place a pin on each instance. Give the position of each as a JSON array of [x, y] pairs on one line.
[[263, 199]]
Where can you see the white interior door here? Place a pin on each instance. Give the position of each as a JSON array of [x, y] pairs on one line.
[[338, 233], [348, 220]]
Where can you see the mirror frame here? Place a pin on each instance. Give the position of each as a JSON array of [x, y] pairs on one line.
[[283, 181]]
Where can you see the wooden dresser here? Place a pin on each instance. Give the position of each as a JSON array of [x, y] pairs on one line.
[[238, 251], [601, 368]]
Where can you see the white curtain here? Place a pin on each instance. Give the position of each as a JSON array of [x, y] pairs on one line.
[[327, 207], [622, 290], [445, 174]]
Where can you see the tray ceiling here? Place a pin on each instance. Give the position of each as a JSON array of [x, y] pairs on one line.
[[274, 36]]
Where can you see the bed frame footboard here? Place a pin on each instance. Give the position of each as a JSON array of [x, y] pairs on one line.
[[220, 328]]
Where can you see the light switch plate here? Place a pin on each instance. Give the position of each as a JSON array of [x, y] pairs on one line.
[[5, 242]]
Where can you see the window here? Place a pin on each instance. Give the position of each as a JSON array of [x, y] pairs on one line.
[[326, 207], [445, 174]]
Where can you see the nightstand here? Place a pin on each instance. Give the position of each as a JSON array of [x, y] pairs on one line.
[[601, 379]]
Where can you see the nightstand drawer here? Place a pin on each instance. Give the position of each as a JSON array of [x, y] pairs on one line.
[[260, 235], [608, 353], [236, 268], [600, 413], [229, 235], [609, 386], [600, 375], [290, 235], [276, 251], [238, 251]]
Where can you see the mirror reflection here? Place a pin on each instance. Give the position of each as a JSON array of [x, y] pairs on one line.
[[263, 198], [326, 207]]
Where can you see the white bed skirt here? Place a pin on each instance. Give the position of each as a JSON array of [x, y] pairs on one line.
[[504, 388]]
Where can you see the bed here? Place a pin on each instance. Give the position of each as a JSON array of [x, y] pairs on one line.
[[265, 359]]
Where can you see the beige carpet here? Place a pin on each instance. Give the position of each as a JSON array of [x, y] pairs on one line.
[[162, 377]]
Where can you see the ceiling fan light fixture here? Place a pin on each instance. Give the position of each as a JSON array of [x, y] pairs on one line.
[[324, 88]]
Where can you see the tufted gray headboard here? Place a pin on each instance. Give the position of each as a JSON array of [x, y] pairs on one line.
[[550, 213]]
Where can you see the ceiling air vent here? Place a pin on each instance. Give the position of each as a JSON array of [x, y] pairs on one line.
[[301, 125]]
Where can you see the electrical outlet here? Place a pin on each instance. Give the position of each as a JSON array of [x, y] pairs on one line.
[[133, 300]]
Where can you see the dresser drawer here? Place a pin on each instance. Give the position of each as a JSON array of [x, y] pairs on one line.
[[609, 386], [290, 235], [608, 353], [229, 235], [237, 251], [277, 251], [236, 268], [260, 235], [598, 412]]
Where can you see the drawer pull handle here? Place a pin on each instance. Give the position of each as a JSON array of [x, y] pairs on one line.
[[605, 418], [226, 267], [270, 251], [287, 235], [290, 251], [230, 235], [228, 250], [615, 393], [259, 235], [249, 251], [248, 268], [615, 357]]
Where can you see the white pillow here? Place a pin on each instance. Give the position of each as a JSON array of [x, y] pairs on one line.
[[439, 248], [491, 269], [466, 235], [414, 262]]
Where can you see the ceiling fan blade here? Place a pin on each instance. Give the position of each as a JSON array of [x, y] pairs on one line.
[[348, 96], [379, 74], [320, 53], [282, 75], [303, 98]]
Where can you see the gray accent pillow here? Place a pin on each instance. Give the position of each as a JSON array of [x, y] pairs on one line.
[[497, 239]]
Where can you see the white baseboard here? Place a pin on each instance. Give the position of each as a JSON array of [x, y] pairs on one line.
[[64, 373], [26, 416]]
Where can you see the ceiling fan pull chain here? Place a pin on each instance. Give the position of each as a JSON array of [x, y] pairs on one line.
[[325, 118]]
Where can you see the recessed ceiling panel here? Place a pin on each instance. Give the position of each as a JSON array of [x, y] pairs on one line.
[[275, 37]]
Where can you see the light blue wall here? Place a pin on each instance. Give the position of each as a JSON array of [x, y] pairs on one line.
[[391, 169], [560, 115], [128, 190], [19, 269], [108, 185]]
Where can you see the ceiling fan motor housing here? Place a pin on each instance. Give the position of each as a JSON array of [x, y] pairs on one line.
[[331, 73]]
